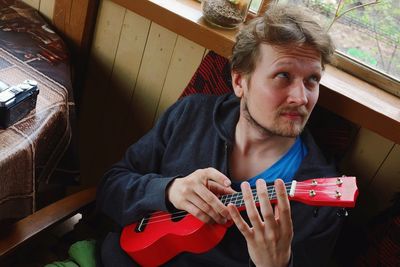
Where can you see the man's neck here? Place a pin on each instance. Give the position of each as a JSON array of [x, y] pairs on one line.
[[254, 152], [249, 140]]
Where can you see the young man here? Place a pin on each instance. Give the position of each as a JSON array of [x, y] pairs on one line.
[[205, 146]]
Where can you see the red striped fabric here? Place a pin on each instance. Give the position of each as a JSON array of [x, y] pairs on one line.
[[213, 76]]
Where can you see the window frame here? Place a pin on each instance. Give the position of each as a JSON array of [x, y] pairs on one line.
[[351, 65], [366, 73]]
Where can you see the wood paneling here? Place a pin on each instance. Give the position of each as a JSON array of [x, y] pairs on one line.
[[94, 102], [364, 160], [74, 21], [125, 72], [366, 156], [185, 18], [185, 60], [46, 8], [152, 74], [386, 182], [33, 3]]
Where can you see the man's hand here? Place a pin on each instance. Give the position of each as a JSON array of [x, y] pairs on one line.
[[198, 194], [270, 237]]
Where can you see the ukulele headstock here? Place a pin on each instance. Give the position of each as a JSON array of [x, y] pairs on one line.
[[336, 191]]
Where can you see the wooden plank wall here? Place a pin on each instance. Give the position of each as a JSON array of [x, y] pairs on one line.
[[137, 69]]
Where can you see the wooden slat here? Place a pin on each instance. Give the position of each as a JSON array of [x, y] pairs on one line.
[[75, 21], [94, 100], [40, 221], [125, 72], [155, 64], [180, 71], [46, 8]]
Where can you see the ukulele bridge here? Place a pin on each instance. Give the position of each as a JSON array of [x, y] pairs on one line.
[[141, 225]]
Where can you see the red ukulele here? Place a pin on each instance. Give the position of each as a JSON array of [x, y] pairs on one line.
[[160, 236]]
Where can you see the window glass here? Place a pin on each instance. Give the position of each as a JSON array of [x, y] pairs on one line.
[[255, 5], [368, 33]]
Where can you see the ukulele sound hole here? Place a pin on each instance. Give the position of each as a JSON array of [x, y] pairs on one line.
[[178, 216]]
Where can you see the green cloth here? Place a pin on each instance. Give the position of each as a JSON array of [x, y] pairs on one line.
[[66, 263], [82, 254]]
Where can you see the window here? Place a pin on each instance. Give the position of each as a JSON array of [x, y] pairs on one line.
[[366, 34]]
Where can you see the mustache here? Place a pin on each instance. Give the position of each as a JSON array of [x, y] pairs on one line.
[[302, 111]]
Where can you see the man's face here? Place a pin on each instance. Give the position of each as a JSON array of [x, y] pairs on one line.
[[278, 97]]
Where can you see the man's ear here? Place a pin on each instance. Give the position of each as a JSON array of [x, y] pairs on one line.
[[238, 83]]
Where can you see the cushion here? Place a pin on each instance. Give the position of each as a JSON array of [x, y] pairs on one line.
[[213, 76]]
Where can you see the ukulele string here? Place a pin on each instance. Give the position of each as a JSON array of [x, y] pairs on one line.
[[230, 197], [161, 215], [233, 198]]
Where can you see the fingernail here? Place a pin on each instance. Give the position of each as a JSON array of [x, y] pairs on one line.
[[227, 182]]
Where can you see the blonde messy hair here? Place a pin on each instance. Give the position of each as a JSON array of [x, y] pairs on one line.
[[281, 26]]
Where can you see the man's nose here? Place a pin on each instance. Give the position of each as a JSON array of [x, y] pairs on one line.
[[298, 93]]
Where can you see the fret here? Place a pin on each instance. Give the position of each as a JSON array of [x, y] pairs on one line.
[[228, 199], [223, 199], [238, 201]]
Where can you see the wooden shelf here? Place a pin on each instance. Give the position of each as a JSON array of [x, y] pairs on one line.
[[342, 93]]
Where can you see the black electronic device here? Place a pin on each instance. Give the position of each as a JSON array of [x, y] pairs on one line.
[[17, 101]]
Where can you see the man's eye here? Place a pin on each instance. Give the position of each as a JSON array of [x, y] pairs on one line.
[[283, 75], [315, 78]]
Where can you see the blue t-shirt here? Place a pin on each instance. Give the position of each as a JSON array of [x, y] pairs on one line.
[[284, 168]]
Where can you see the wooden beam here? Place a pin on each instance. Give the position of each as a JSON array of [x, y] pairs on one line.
[[75, 21]]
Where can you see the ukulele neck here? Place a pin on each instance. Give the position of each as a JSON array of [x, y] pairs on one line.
[[238, 201]]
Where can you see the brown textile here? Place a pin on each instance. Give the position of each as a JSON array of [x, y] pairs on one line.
[[39, 139], [25, 35]]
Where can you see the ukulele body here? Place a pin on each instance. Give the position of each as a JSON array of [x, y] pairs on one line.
[[161, 241]]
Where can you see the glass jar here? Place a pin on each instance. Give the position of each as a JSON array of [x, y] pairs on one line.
[[225, 13]]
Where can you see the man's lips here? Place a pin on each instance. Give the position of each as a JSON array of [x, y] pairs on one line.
[[294, 115]]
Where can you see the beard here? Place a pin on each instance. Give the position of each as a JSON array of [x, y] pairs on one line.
[[286, 128]]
